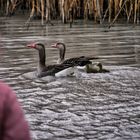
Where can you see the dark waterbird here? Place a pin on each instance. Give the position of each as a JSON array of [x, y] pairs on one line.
[[90, 67], [77, 61], [46, 70]]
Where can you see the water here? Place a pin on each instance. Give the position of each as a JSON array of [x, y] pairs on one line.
[[92, 106]]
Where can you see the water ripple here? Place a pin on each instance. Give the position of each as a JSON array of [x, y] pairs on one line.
[[90, 106]]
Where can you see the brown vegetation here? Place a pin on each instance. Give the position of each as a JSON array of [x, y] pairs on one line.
[[67, 10]]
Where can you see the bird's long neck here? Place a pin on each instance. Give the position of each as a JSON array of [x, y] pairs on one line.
[[62, 51], [42, 60]]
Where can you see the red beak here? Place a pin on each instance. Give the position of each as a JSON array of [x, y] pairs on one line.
[[32, 45], [54, 45]]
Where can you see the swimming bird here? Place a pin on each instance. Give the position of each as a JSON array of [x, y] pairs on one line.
[[91, 67], [76, 61], [45, 70], [95, 68]]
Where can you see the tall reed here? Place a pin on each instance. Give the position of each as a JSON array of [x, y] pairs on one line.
[[68, 10]]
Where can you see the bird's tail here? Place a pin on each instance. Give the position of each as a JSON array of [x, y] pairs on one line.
[[91, 58]]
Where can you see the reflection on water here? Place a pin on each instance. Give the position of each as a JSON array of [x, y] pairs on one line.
[[92, 106]]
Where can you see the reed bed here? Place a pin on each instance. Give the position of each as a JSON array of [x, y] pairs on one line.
[[68, 10]]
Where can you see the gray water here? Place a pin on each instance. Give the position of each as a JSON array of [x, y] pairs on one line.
[[91, 106]]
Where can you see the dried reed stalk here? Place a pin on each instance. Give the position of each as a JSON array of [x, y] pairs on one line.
[[110, 9], [117, 14], [67, 10], [116, 6]]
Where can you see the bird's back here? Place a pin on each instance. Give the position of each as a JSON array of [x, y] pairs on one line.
[[79, 61], [53, 69]]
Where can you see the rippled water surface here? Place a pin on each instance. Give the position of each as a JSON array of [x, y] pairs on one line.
[[91, 106]]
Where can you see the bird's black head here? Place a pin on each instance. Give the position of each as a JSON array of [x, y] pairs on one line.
[[37, 46]]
